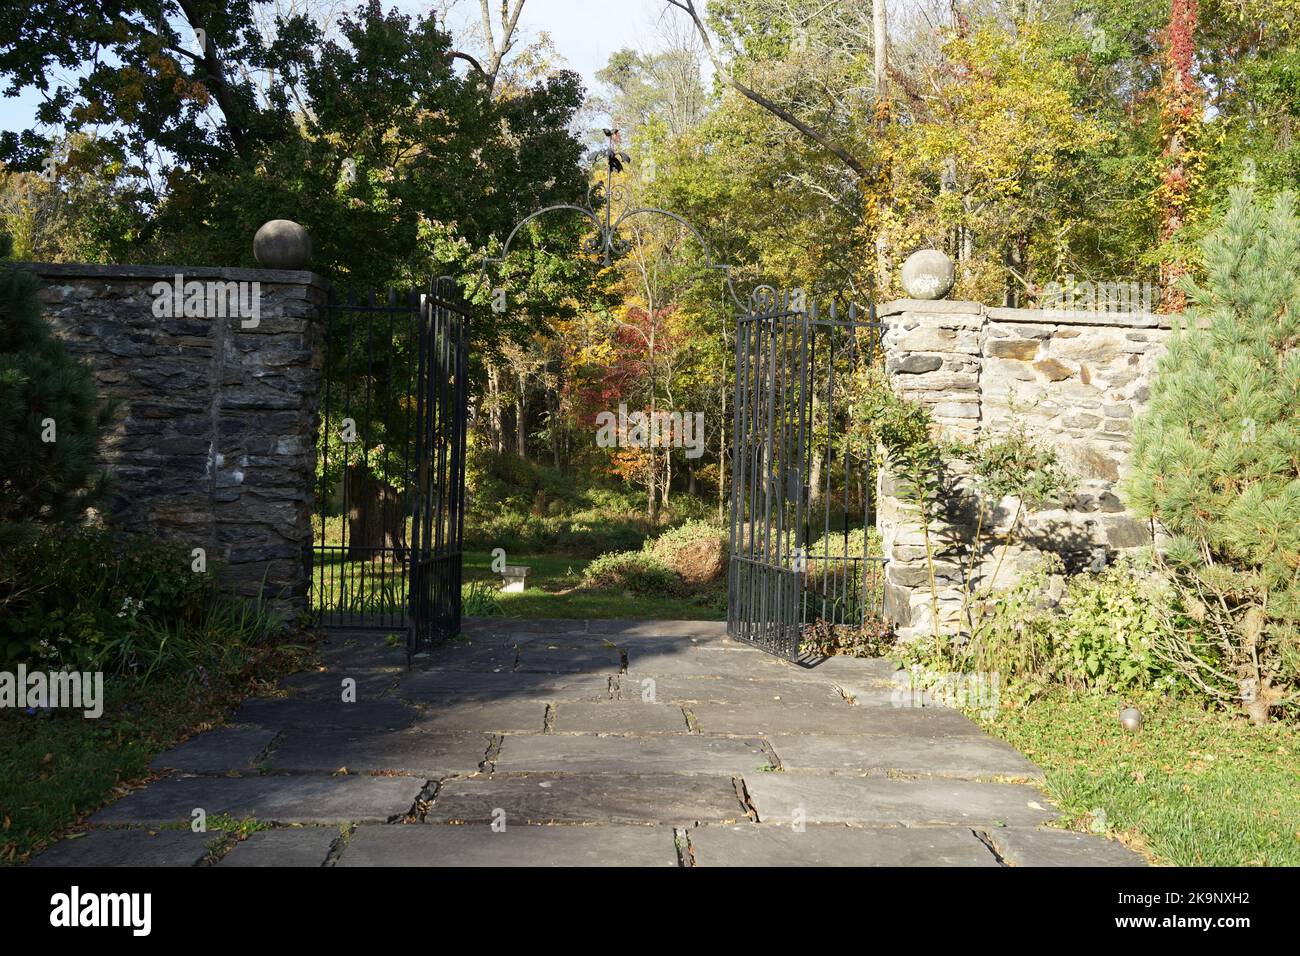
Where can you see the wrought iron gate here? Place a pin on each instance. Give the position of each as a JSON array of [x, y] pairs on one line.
[[391, 463], [801, 501], [438, 523]]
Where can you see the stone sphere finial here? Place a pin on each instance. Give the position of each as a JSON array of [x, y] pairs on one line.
[[282, 244], [928, 274]]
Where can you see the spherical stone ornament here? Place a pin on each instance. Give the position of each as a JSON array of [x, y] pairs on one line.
[[928, 274], [282, 244], [1130, 718]]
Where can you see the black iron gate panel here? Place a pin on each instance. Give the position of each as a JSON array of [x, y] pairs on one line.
[[802, 502], [439, 512], [390, 463]]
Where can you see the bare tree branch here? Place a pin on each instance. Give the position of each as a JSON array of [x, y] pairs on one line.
[[784, 115]]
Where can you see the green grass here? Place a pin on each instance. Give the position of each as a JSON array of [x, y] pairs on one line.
[[1191, 788], [553, 592], [58, 767]]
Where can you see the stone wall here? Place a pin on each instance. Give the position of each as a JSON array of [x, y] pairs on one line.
[[213, 444], [1073, 380]]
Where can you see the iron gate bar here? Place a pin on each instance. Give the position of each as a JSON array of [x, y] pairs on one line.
[[775, 586], [438, 528]]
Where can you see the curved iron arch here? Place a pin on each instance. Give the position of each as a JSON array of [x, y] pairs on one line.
[[606, 241]]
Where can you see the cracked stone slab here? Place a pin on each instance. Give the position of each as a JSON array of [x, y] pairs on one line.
[[490, 656], [291, 846], [1049, 847], [532, 625], [546, 658], [873, 801], [508, 716], [731, 690], [217, 751], [523, 845], [365, 650], [405, 752], [638, 627], [677, 800], [270, 799], [441, 686], [328, 685], [756, 844], [618, 717], [294, 712], [861, 669], [842, 718], [690, 661], [955, 756], [680, 754], [128, 848]]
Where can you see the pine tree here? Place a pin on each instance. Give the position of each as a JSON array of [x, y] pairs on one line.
[[1217, 458], [51, 418]]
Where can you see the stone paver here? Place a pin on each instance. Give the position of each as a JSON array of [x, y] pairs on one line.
[[544, 658], [871, 801], [727, 690], [406, 752], [217, 751], [681, 753], [750, 844], [381, 714], [674, 800], [362, 650], [328, 684], [128, 848], [440, 686], [291, 846], [270, 799], [507, 716], [964, 755], [480, 845], [618, 717], [1044, 847], [842, 718], [591, 741]]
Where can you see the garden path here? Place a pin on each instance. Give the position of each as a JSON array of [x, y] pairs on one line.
[[603, 742]]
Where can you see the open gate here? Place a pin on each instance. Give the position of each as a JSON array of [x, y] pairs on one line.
[[391, 463], [801, 501]]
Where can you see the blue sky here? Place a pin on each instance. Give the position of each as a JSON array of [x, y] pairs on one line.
[[584, 32]]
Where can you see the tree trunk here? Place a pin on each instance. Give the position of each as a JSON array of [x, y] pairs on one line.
[[376, 523], [496, 432], [521, 427]]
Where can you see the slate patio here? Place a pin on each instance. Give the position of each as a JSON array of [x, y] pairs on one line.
[[589, 743]]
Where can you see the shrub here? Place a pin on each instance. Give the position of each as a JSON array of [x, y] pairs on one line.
[[696, 551], [1216, 462], [80, 598], [1111, 626], [44, 395], [637, 571]]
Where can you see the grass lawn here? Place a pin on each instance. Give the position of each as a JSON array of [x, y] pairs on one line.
[[58, 767], [552, 592], [1191, 788], [371, 587]]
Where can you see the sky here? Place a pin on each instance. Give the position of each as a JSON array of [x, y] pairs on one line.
[[584, 32]]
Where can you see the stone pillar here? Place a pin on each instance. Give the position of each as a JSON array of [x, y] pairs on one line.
[[214, 443], [933, 356], [1071, 380]]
